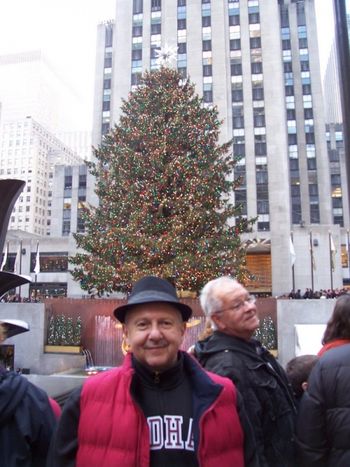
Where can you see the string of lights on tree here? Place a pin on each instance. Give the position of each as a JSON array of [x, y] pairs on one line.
[[164, 184]]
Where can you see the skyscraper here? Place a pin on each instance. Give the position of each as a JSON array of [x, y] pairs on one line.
[[258, 62]]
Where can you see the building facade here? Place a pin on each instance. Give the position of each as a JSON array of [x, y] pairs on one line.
[[29, 152], [258, 62]]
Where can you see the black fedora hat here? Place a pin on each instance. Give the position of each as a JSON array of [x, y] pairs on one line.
[[151, 289]]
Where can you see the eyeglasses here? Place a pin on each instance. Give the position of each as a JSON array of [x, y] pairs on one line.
[[250, 299]]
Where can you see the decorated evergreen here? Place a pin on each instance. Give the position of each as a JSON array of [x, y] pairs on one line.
[[69, 331], [164, 184], [51, 331], [266, 333], [77, 332], [63, 331]]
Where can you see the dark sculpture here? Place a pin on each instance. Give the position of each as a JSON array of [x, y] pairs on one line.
[[9, 192]]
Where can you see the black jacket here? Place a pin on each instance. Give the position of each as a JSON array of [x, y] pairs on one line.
[[267, 396], [26, 422], [323, 427]]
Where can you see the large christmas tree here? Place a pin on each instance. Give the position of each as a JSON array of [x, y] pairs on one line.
[[164, 185]]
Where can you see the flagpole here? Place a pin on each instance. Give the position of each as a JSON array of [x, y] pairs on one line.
[[36, 269], [348, 240], [312, 262], [293, 272], [330, 257], [20, 268]]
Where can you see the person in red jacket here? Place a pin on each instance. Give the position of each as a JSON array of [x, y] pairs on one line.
[[160, 407]]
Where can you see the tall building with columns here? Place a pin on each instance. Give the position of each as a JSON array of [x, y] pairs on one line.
[[258, 62]]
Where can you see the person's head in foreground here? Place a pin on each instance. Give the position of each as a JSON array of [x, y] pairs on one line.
[[230, 307], [298, 370], [338, 326], [154, 322]]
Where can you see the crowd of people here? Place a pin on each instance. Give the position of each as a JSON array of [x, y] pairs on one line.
[[322, 293], [228, 402]]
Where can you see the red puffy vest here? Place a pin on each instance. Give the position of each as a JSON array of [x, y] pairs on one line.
[[113, 430]]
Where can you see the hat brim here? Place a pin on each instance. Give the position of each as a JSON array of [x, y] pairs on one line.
[[120, 311]]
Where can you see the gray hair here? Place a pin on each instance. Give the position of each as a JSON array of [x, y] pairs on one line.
[[209, 298]]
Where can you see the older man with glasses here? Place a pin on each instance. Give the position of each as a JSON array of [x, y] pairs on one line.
[[232, 351]]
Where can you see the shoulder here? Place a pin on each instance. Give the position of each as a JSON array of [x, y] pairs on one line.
[[106, 377], [339, 355], [223, 380]]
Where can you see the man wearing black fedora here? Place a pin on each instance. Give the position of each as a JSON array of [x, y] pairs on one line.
[[160, 407]]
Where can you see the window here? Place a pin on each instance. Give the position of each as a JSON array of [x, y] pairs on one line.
[[304, 65], [259, 117], [238, 121], [292, 139], [207, 70], [136, 31], [308, 113], [290, 114], [306, 89], [156, 28], [286, 44], [256, 68], [310, 138], [260, 149], [233, 20], [311, 163], [258, 94], [135, 79], [68, 181], [136, 54], [206, 45], [50, 262], [235, 44], [181, 24], [237, 95], [333, 155], [254, 18], [104, 128], [107, 84], [109, 36], [236, 69], [137, 6], [301, 14], [263, 226], [255, 42], [335, 180], [108, 62], [156, 5], [287, 67], [206, 21], [262, 207], [303, 43], [208, 96]]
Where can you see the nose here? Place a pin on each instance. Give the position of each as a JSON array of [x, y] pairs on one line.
[[155, 333], [249, 305]]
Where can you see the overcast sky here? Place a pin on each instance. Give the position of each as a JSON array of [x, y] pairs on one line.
[[66, 31]]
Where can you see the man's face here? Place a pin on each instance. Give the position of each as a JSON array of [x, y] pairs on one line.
[[238, 317], [154, 332]]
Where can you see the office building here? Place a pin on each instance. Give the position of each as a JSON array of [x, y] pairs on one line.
[[29, 152], [258, 62]]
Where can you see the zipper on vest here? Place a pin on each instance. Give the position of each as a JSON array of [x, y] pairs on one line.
[[156, 377]]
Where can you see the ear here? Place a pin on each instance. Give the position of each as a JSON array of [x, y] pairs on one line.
[[216, 319], [125, 333], [183, 327], [304, 385]]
